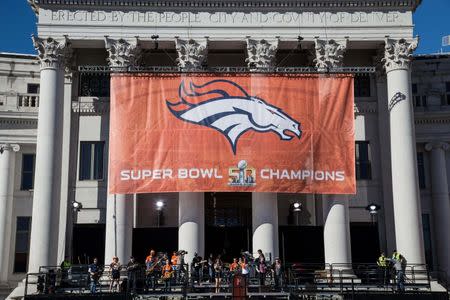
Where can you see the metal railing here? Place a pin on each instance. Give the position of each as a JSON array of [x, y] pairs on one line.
[[299, 278]]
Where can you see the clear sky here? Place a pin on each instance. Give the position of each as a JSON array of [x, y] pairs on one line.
[[18, 22]]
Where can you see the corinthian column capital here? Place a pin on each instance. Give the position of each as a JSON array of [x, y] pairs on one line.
[[122, 53], [191, 53], [437, 145], [261, 53], [9, 147], [329, 53], [51, 52], [398, 53]]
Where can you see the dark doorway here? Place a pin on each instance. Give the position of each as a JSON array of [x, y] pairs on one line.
[[88, 242], [365, 242], [301, 244], [162, 239], [228, 223]]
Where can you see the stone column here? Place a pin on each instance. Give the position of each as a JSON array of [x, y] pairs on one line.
[[336, 230], [406, 194], [192, 56], [265, 224], [119, 208], [441, 202], [385, 215], [7, 173], [44, 227], [191, 222], [261, 57], [119, 228]]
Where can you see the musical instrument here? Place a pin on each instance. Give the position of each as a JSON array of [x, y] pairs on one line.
[[153, 266], [167, 275], [200, 263]]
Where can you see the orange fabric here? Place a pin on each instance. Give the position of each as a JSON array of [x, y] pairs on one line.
[[148, 258], [166, 268], [155, 147], [174, 259], [233, 266]]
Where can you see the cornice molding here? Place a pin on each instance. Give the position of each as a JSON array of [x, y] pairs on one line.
[[235, 4]]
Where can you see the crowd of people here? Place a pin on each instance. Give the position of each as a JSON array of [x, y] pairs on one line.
[[170, 270], [160, 268]]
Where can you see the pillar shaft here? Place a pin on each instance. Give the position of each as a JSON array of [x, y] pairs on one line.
[[46, 196], [265, 224], [441, 204], [336, 232], [191, 222], [119, 228], [406, 195], [7, 162]]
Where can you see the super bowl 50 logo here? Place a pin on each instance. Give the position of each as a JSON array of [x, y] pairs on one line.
[[242, 175]]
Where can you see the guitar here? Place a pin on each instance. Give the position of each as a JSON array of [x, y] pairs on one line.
[[167, 275], [200, 263], [153, 266]]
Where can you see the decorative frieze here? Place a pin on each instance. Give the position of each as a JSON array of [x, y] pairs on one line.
[[52, 53], [261, 53], [329, 54], [122, 53], [192, 54], [279, 4], [398, 53]]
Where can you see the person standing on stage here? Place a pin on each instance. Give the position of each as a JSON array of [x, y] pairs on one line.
[[278, 273], [261, 267], [151, 270], [218, 265], [167, 275], [94, 274], [115, 268], [197, 267], [132, 271], [211, 268]]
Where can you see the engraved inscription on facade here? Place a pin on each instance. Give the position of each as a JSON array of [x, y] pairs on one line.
[[223, 18]]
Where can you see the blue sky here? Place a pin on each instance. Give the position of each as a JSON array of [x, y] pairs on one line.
[[18, 22]]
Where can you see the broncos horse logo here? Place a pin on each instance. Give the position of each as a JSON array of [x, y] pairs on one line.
[[226, 107]]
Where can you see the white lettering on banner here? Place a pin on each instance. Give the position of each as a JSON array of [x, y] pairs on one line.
[[145, 174], [122, 18], [198, 173], [265, 174], [270, 174]]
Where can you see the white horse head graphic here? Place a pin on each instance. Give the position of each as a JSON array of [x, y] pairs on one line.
[[230, 110]]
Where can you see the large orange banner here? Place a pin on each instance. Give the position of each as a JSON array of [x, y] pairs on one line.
[[233, 132]]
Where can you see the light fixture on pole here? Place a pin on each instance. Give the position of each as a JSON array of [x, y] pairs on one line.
[[296, 208], [76, 206], [159, 206], [373, 209]]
